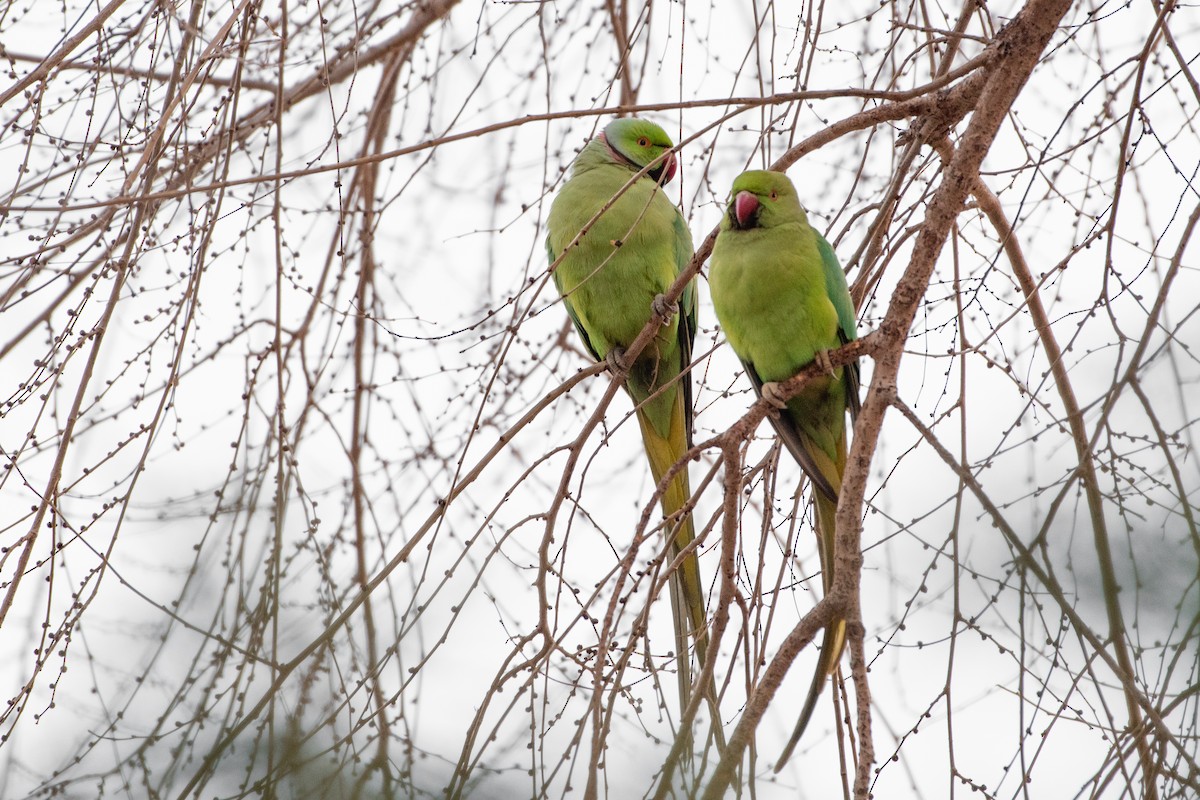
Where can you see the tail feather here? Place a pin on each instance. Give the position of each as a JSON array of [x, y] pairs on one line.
[[686, 586], [831, 650], [834, 638]]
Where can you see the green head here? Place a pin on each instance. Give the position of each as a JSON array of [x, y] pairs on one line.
[[763, 199], [638, 142]]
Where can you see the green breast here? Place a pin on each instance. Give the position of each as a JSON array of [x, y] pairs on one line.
[[770, 296]]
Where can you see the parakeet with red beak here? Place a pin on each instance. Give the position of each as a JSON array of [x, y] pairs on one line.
[[782, 301], [612, 281]]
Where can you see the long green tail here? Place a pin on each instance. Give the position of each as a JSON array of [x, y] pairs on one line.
[[835, 634], [687, 589]]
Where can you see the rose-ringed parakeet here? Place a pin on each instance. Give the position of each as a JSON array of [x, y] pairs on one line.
[[612, 282], [782, 301]]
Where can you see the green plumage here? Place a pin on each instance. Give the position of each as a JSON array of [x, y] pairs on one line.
[[781, 298], [609, 276]]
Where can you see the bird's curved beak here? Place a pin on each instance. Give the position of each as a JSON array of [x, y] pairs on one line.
[[745, 209], [664, 172]]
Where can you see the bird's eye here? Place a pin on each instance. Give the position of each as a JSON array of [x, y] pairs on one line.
[[774, 195], [643, 142]]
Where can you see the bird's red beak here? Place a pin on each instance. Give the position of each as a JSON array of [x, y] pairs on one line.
[[665, 170], [745, 207], [668, 168]]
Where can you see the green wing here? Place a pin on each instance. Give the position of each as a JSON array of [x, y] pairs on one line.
[[687, 317], [839, 295], [587, 342]]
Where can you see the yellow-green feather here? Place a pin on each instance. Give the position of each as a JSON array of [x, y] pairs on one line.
[[834, 637], [687, 591]]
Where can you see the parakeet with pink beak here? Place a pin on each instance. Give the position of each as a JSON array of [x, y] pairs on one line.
[[782, 301]]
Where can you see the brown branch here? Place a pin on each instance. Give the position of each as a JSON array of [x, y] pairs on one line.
[[896, 105], [619, 20], [47, 65], [134, 72]]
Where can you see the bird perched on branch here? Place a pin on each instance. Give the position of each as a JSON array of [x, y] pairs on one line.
[[619, 244], [782, 301]]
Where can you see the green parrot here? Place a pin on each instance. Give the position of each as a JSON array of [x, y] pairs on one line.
[[782, 301], [612, 282]]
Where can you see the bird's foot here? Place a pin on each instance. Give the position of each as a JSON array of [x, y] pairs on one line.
[[773, 394], [822, 359], [616, 360], [663, 309]]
